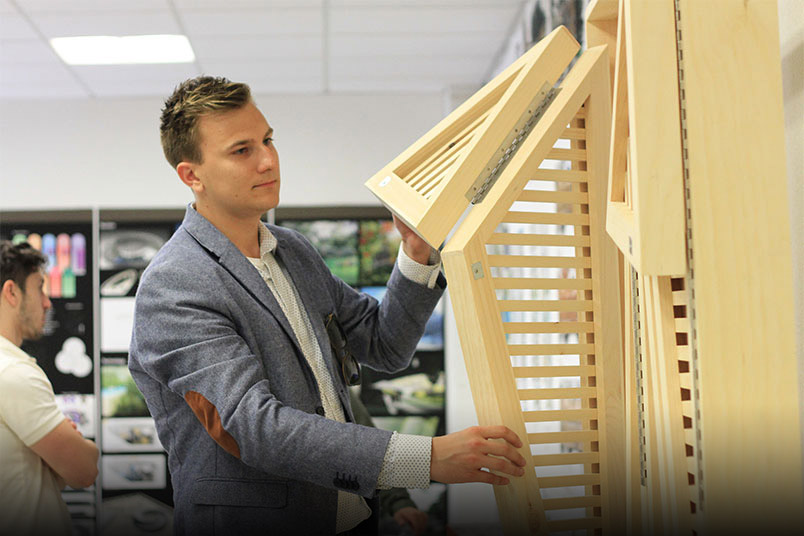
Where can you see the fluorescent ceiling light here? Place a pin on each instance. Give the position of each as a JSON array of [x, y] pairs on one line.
[[113, 50]]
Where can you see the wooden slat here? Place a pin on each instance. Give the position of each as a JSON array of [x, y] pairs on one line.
[[554, 371], [546, 218], [426, 179], [572, 502], [528, 239], [566, 481], [574, 524], [556, 393], [436, 164], [547, 283], [679, 298], [566, 154], [573, 134], [538, 261], [550, 349], [559, 415], [541, 283], [427, 190], [549, 196], [457, 143], [583, 436], [545, 305], [569, 458], [559, 175], [548, 327]]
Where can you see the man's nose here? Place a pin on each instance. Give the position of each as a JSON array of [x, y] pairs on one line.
[[266, 159]]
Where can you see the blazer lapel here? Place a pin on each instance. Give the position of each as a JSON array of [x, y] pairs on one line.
[[209, 237]]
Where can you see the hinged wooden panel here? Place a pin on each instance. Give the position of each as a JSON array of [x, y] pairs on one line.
[[428, 184], [539, 340]]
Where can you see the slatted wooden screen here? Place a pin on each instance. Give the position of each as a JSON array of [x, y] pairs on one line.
[[538, 328], [711, 394], [431, 183]]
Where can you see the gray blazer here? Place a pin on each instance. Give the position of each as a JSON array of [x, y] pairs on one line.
[[235, 402]]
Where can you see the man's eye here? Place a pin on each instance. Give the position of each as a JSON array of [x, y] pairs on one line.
[[267, 141], [242, 150]]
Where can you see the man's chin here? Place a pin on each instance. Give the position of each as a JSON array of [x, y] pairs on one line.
[[33, 336]]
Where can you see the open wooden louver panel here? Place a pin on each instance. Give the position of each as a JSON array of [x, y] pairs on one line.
[[431, 183], [525, 269]]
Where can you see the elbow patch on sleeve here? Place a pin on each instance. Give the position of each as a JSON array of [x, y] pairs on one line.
[[208, 414]]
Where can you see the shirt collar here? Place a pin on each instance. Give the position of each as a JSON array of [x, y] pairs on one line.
[[267, 241], [10, 349]]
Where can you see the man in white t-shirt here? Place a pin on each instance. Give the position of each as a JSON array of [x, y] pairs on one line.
[[40, 449]]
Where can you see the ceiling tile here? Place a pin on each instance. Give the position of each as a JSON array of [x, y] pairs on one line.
[[62, 6], [479, 45], [21, 51], [421, 20], [257, 47], [262, 22], [461, 70], [38, 81], [118, 23], [14, 26], [425, 3], [130, 80], [374, 84], [276, 69], [6, 7], [195, 5]]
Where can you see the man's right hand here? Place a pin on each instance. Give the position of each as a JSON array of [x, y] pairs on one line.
[[462, 456]]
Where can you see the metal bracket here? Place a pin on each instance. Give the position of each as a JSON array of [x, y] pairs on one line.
[[690, 276], [477, 270], [640, 389], [511, 143]]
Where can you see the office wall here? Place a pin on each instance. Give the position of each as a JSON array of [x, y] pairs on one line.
[[106, 153]]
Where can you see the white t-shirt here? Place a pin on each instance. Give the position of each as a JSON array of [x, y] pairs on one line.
[[30, 497]]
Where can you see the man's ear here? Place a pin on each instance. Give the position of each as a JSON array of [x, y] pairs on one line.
[[11, 293], [186, 172]]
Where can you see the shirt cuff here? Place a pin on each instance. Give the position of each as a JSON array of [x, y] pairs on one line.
[[406, 463], [422, 274]]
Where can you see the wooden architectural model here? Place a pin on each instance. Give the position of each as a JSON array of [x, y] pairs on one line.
[[622, 284], [697, 165]]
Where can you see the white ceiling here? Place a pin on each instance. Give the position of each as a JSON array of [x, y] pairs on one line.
[[277, 46]]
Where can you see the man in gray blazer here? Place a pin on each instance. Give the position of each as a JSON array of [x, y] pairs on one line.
[[244, 344]]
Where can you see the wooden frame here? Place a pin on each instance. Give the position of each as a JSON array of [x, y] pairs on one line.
[[475, 279], [645, 216], [710, 386], [430, 184]]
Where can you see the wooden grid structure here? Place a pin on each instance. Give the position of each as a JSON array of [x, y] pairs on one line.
[[525, 271], [656, 385], [710, 388], [574, 475]]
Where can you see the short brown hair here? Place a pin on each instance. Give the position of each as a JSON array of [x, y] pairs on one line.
[[19, 261], [191, 100]]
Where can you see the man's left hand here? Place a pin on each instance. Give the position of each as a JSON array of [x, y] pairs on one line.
[[413, 245]]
